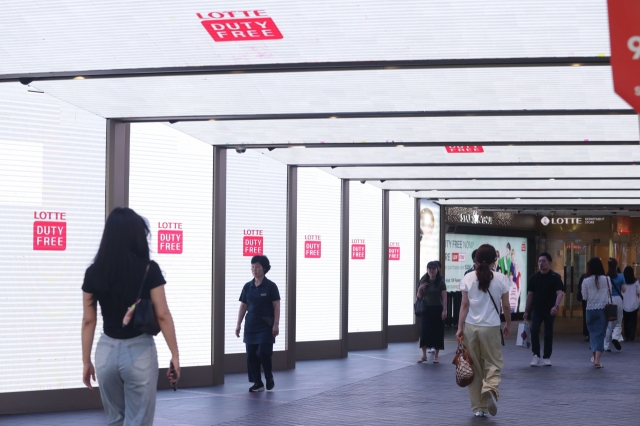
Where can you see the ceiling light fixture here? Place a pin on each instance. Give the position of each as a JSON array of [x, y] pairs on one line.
[[79, 77]]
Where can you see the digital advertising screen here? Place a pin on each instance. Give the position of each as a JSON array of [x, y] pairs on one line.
[[429, 233], [512, 261]]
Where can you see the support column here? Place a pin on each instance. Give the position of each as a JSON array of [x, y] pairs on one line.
[[416, 254], [385, 268], [344, 269], [117, 167], [218, 262], [292, 252]]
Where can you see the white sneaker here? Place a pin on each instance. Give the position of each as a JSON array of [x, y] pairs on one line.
[[546, 362], [480, 413], [535, 362], [431, 351], [492, 404]]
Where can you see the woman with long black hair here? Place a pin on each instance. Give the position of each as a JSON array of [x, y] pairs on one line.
[[479, 327], [433, 293], [126, 359]]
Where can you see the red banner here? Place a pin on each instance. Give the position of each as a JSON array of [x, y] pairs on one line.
[[464, 149]]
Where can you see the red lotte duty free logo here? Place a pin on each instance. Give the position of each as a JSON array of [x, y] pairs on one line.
[[394, 251], [464, 149], [253, 242], [50, 234], [312, 247], [170, 238], [240, 25], [358, 249]]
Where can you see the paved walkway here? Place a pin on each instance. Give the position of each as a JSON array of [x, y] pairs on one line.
[[388, 387]]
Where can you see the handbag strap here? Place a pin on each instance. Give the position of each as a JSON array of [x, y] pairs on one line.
[[144, 278], [609, 288], [494, 304], [618, 290]]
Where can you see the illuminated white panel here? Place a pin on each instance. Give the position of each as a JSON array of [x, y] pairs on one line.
[[428, 187], [365, 258], [256, 204], [521, 171], [462, 130], [402, 235], [440, 89], [543, 202], [318, 252], [21, 173], [429, 233], [171, 185], [574, 193], [317, 156], [59, 151], [122, 34]]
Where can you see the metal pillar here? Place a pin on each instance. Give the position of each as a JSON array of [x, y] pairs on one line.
[[117, 167], [344, 270], [385, 268], [218, 263], [292, 251]]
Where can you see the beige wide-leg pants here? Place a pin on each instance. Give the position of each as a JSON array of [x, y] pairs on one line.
[[486, 352]]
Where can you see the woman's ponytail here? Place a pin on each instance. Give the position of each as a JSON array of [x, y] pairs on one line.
[[485, 256]]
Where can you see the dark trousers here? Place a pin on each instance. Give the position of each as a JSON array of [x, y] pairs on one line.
[[259, 355], [585, 330], [536, 321], [630, 320]]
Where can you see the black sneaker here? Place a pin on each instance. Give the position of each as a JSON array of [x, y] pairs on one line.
[[258, 387], [270, 384], [616, 344]]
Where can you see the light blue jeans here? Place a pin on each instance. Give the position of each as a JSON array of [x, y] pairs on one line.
[[128, 378]]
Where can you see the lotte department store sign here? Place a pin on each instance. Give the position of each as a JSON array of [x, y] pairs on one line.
[[574, 223]]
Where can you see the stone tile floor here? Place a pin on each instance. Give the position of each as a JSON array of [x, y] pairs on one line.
[[387, 387]]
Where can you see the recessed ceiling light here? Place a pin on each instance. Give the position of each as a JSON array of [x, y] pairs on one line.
[[212, 119], [333, 116], [78, 78], [297, 146], [576, 65], [399, 146], [551, 179]]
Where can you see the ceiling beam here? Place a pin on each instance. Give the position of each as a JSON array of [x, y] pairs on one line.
[[483, 164], [26, 78], [379, 114]]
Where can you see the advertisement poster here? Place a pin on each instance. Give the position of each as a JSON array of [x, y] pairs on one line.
[[429, 229], [512, 261]]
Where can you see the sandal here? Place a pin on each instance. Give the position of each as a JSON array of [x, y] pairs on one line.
[[599, 365], [421, 360], [592, 360], [435, 361]]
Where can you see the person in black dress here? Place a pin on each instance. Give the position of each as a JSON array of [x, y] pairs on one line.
[[433, 293], [260, 301]]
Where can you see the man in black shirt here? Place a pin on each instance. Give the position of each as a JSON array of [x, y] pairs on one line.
[[473, 267], [543, 301]]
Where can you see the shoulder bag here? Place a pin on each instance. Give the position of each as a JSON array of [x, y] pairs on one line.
[[143, 313], [619, 290], [417, 307], [463, 362], [610, 310], [498, 311]]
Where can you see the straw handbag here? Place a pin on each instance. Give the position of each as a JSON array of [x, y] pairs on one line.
[[463, 363]]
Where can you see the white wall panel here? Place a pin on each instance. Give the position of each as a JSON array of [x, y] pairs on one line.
[[171, 185], [256, 201], [402, 236], [365, 262], [52, 160], [328, 92], [158, 33], [318, 256]]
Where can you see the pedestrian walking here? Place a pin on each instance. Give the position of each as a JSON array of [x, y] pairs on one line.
[[543, 302], [596, 291], [126, 359], [618, 287], [433, 293], [479, 326], [260, 301], [630, 304]]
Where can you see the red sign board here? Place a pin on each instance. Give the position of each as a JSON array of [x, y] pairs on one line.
[[358, 251], [524, 247], [464, 149], [253, 242], [49, 235], [624, 33], [312, 249], [170, 242], [241, 25], [394, 252]]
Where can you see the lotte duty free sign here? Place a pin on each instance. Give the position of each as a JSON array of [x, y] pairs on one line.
[[239, 25], [624, 33], [253, 242], [312, 247], [170, 238], [50, 231]]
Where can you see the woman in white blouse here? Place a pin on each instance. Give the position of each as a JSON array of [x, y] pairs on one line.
[[596, 291]]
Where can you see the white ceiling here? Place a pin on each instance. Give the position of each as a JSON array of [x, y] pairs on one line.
[[76, 35], [329, 92]]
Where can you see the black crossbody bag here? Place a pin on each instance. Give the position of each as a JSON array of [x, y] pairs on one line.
[[144, 314], [496, 306]]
